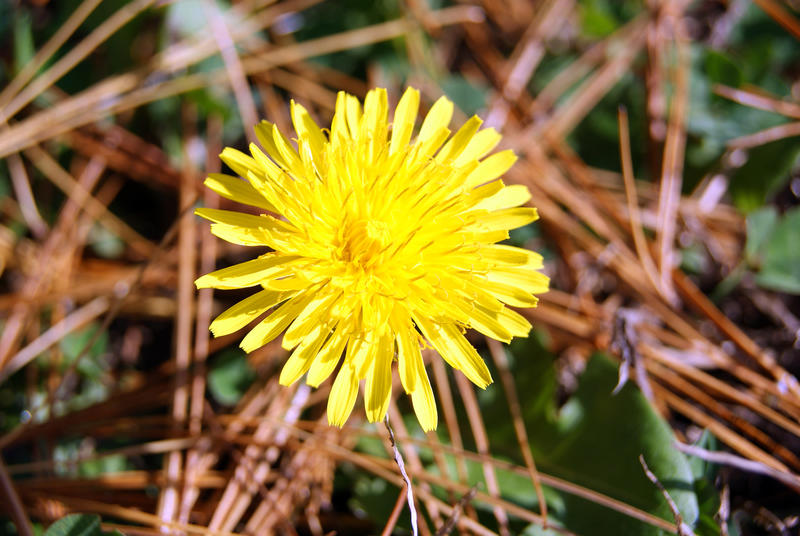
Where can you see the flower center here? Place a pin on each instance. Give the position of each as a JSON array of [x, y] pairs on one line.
[[363, 242]]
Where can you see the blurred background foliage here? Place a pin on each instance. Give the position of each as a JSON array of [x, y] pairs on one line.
[[577, 430]]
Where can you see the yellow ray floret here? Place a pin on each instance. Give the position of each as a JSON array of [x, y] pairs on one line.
[[383, 244]]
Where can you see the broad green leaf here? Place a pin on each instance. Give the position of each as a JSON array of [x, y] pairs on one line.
[[468, 96], [781, 261], [230, 376], [596, 442], [105, 243], [760, 226], [78, 525], [596, 21], [24, 48], [721, 69], [767, 169], [92, 364]]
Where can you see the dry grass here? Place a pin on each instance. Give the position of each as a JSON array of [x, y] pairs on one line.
[[268, 465]]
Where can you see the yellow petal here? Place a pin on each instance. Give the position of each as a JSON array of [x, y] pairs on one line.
[[343, 396], [264, 134], [491, 168], [460, 139], [288, 154], [515, 323], [307, 129], [300, 360], [328, 357], [315, 313], [510, 294], [486, 321], [287, 281], [438, 117], [510, 196], [246, 274], [477, 195], [501, 253], [523, 278], [378, 385], [239, 162], [244, 312], [409, 357], [509, 218], [339, 129], [480, 145], [404, 117], [240, 219], [353, 115], [237, 190], [456, 350], [246, 229], [244, 236], [424, 403], [271, 327], [424, 149], [360, 352], [376, 108]]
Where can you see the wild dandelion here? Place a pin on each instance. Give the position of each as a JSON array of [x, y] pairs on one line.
[[383, 244]]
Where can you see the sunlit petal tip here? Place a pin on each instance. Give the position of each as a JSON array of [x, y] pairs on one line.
[[343, 396], [204, 282]]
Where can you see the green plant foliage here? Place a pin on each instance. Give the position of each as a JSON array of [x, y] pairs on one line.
[[79, 525], [721, 69], [230, 376], [767, 169], [105, 243], [760, 226], [90, 365], [468, 96], [596, 21], [780, 269], [24, 48], [596, 442]]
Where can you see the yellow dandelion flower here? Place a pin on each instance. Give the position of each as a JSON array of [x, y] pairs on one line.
[[382, 244]]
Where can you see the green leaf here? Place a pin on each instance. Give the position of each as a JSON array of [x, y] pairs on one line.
[[767, 169], [467, 96], [24, 48], [92, 364], [78, 525], [594, 440], [596, 443], [230, 376], [105, 243], [781, 260], [760, 226], [720, 69], [596, 21], [694, 259]]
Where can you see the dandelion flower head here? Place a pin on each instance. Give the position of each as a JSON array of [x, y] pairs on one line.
[[383, 243]]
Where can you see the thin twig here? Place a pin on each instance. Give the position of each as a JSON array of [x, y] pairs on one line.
[[723, 513], [726, 458], [451, 521], [233, 66], [634, 214], [395, 515], [683, 528], [13, 503], [76, 320], [510, 389], [27, 204], [398, 458]]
